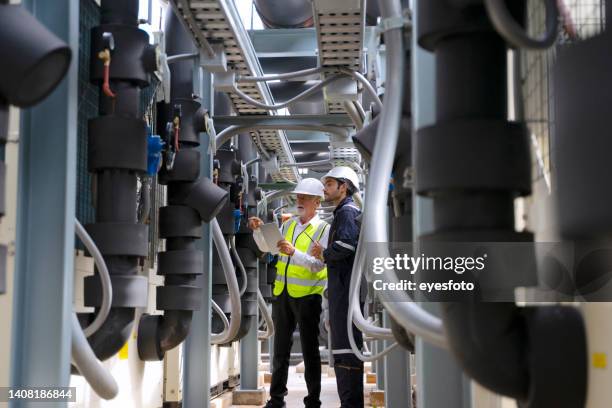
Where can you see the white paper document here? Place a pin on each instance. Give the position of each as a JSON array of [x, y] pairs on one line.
[[271, 235]]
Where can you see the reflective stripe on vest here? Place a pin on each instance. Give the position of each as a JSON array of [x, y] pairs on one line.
[[300, 280]]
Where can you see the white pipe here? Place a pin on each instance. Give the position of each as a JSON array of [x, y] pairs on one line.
[[107, 287], [232, 284], [84, 359]]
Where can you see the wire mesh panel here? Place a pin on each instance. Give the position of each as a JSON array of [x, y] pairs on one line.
[[581, 19], [87, 109]]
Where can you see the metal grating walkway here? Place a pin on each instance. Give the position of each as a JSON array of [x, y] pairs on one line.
[[218, 22]]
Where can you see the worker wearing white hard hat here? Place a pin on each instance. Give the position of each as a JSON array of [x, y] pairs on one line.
[[340, 185], [300, 281], [342, 175]]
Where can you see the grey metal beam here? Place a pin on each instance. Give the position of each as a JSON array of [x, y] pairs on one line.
[[196, 367], [300, 42], [332, 120], [436, 369], [44, 261]]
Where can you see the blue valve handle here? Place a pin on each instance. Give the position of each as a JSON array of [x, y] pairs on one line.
[[155, 146]]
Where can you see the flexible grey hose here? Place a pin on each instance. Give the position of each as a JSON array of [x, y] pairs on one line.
[[355, 315], [231, 131], [277, 194], [252, 161], [240, 265], [296, 98], [277, 77], [107, 287], [512, 32], [232, 283], [84, 359], [359, 108], [407, 313], [262, 335], [181, 57], [221, 314], [315, 163], [351, 110], [366, 84]]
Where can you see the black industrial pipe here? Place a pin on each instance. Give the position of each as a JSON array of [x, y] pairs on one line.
[[34, 61], [473, 162], [121, 64], [191, 200]]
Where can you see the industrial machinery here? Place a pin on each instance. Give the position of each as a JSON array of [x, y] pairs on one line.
[[140, 139]]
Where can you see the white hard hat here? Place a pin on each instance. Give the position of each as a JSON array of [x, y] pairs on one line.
[[310, 186], [343, 172]]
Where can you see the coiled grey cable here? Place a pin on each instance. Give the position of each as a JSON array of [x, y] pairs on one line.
[[296, 98]]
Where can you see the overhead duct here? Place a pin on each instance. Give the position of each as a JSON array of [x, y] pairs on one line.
[[285, 13], [191, 200], [472, 162], [121, 64]]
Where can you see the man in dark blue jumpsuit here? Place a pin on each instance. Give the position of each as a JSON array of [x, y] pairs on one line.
[[340, 184]]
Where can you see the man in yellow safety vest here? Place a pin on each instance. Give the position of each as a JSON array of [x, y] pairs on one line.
[[300, 281]]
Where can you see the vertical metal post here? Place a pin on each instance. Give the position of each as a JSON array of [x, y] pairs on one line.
[[380, 365], [45, 221], [436, 369], [196, 356], [397, 374], [249, 357]]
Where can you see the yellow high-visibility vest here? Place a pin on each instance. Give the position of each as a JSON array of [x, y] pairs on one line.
[[299, 279]]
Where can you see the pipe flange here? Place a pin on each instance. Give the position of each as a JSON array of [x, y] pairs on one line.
[[179, 297], [473, 155], [181, 262], [117, 238]]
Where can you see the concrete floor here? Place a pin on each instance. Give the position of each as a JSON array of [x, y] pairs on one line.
[[297, 392]]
